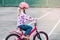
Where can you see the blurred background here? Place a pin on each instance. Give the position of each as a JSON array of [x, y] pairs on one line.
[[32, 3], [48, 12]]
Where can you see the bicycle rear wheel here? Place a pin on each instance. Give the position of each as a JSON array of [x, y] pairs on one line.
[[40, 36], [13, 37]]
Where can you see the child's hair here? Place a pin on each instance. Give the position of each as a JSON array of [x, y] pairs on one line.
[[23, 10]]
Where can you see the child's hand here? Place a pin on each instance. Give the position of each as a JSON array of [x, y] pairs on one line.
[[35, 18]]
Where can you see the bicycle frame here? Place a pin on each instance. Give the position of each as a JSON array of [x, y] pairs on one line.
[[34, 29], [20, 33]]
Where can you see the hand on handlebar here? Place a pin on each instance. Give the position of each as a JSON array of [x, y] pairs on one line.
[[35, 18]]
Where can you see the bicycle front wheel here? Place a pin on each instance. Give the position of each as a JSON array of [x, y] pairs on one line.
[[13, 37], [40, 36]]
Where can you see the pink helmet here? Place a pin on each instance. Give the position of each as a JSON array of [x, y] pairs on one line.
[[23, 5]]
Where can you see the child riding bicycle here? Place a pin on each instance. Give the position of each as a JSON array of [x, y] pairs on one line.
[[22, 18]]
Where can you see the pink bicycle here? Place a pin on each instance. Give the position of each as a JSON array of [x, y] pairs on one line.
[[41, 35]]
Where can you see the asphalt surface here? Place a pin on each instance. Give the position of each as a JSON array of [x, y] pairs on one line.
[[48, 20]]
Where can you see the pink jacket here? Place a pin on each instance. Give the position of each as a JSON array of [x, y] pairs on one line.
[[23, 18]]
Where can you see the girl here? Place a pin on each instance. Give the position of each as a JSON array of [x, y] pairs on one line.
[[22, 18]]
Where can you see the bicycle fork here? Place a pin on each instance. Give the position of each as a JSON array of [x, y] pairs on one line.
[[38, 35]]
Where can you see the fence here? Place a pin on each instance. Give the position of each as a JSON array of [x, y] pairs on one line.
[[32, 3]]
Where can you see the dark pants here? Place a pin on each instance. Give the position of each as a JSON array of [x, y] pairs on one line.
[[26, 28]]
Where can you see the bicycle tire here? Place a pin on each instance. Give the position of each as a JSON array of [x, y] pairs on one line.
[[41, 32], [12, 35]]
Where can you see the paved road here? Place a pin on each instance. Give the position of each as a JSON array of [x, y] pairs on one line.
[[48, 23]]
